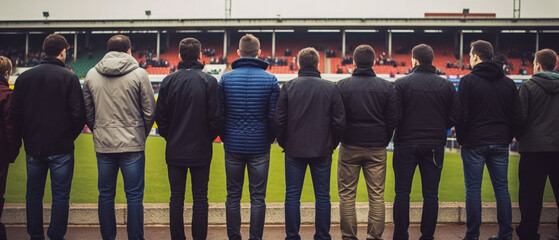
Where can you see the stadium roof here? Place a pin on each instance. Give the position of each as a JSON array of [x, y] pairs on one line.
[[279, 23]]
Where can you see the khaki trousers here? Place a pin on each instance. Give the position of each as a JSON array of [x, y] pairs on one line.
[[351, 160]]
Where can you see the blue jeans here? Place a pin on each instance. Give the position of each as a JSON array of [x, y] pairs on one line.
[[257, 166], [430, 160], [295, 170], [61, 173], [496, 157], [132, 166]]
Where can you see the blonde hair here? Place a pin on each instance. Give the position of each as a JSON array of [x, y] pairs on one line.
[[5, 65]]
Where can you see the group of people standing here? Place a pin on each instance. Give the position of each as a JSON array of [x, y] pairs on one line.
[[309, 117]]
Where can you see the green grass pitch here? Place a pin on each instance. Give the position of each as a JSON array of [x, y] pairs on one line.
[[84, 186]]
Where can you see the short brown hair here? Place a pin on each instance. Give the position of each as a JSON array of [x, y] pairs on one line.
[[54, 44], [483, 49], [423, 53], [189, 49], [308, 58], [364, 56], [5, 65], [119, 43], [547, 58], [249, 46]]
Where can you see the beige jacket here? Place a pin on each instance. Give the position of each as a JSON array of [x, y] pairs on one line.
[[119, 103]]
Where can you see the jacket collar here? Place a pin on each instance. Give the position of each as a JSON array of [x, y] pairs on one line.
[[361, 71], [4, 81], [309, 72], [424, 68], [249, 62], [52, 60], [190, 64]]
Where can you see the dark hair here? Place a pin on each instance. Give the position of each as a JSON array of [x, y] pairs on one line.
[[547, 58], [308, 58], [483, 49], [249, 46], [423, 53], [54, 44], [119, 43], [364, 56], [189, 49]]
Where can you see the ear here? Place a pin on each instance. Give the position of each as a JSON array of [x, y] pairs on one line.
[[7, 75], [239, 52], [129, 51], [259, 52], [354, 64], [62, 53], [199, 57]]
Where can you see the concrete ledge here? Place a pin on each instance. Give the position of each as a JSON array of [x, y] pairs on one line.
[[158, 213]]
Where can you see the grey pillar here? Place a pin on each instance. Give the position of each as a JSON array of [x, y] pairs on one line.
[[158, 47], [225, 42], [537, 41], [461, 48], [273, 43], [389, 43], [75, 46], [26, 45], [343, 43]]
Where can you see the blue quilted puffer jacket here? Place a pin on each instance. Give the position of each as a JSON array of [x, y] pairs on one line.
[[248, 97]]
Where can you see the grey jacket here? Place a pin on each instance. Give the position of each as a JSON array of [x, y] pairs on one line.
[[119, 103]]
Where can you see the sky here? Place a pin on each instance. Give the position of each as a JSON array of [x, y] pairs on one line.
[[195, 9]]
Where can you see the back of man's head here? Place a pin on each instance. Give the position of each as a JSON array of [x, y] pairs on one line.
[[249, 46], [423, 53], [483, 49], [119, 43], [364, 56], [54, 44], [547, 59], [5, 65], [308, 58], [189, 49]]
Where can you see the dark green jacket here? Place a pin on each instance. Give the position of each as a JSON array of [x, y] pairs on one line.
[[540, 109]]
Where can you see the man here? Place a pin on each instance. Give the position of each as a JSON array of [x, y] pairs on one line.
[[248, 97], [538, 142], [187, 116], [309, 123], [371, 113], [427, 108], [120, 110], [489, 109], [48, 111], [9, 143]]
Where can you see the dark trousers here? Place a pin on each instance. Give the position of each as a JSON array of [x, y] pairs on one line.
[[3, 178], [430, 161], [199, 179], [533, 170]]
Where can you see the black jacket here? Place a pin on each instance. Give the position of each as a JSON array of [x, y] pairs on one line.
[[539, 98], [370, 108], [187, 115], [9, 143], [489, 106], [309, 118], [47, 108], [428, 107]]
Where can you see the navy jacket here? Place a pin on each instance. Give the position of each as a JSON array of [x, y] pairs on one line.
[[47, 108], [490, 107], [247, 97], [428, 106], [187, 115], [310, 116], [370, 107]]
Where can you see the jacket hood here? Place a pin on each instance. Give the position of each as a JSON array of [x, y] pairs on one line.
[[116, 64], [363, 71], [249, 62], [191, 65], [548, 81], [489, 70], [308, 72]]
